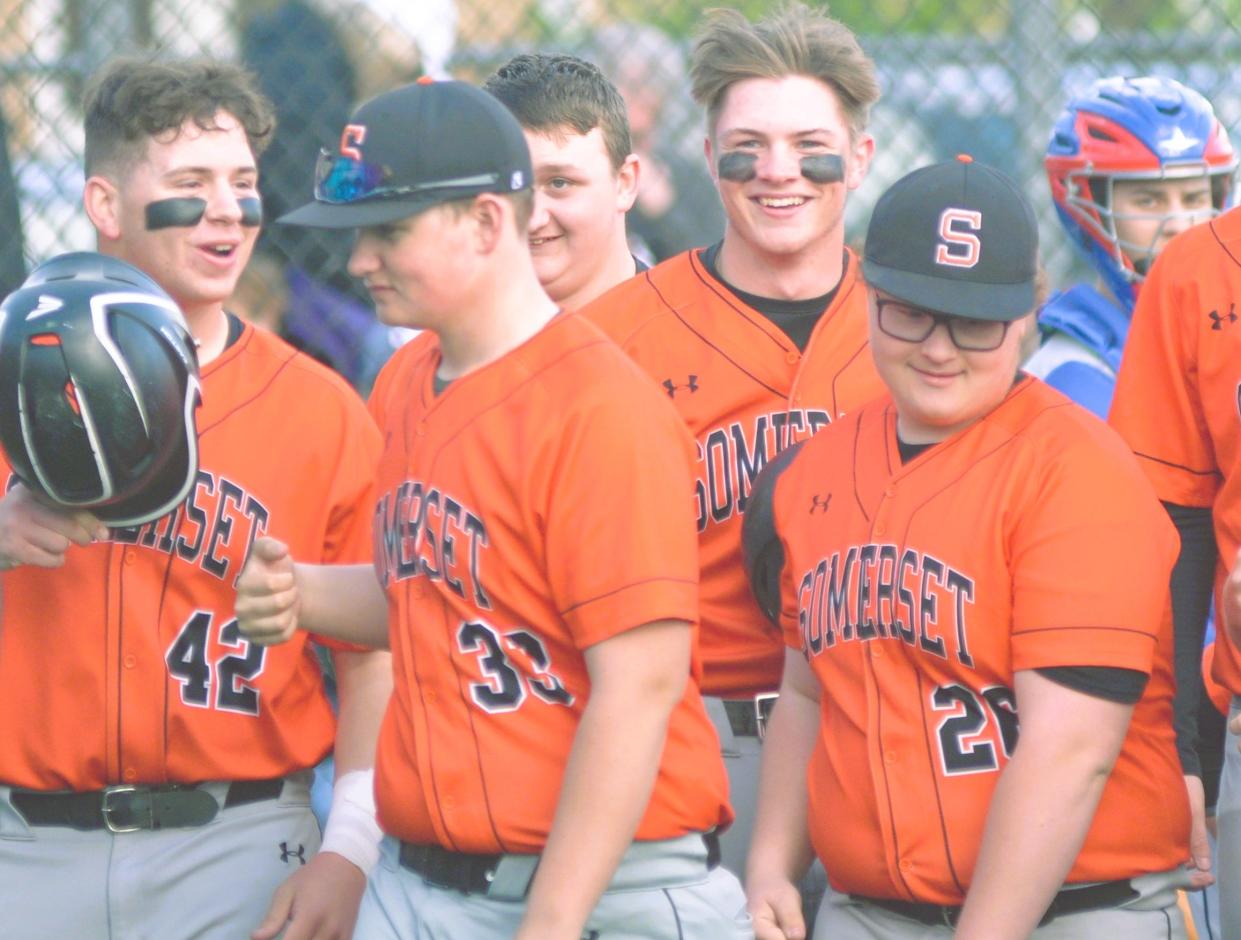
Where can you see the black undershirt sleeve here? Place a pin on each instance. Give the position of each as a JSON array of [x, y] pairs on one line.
[[1193, 579], [1106, 682], [760, 542]]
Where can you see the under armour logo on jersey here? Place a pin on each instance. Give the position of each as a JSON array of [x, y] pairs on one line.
[[819, 503], [691, 386], [287, 853], [957, 248], [1219, 319]]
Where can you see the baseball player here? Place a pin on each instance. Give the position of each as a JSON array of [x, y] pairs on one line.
[[546, 767], [1177, 405], [1132, 163], [154, 763], [974, 725], [759, 340], [585, 175]]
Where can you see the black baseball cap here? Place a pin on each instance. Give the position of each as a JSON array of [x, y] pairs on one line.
[[413, 148], [957, 237]]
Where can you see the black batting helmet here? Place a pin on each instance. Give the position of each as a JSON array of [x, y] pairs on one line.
[[98, 386]]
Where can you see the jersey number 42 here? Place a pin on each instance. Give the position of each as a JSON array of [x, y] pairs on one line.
[[189, 662]]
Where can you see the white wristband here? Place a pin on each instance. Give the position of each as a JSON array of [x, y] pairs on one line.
[[351, 828]]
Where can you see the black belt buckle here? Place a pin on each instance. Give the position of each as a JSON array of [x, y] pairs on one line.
[[110, 804]]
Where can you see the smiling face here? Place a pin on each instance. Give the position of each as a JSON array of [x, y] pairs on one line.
[[940, 389], [577, 230], [198, 265], [779, 121]]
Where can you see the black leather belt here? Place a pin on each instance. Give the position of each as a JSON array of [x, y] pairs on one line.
[[474, 874], [127, 808], [1067, 901], [747, 717]]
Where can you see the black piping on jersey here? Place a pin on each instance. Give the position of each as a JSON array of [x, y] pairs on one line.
[[947, 445], [706, 341], [430, 406], [236, 328], [935, 779], [782, 314], [887, 791], [621, 589], [675, 914], [257, 393], [857, 456], [175, 527], [1222, 246], [435, 402], [1178, 466]]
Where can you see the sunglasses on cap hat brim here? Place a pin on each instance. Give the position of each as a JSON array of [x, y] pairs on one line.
[[351, 193]]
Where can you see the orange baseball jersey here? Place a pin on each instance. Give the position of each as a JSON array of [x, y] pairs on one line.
[[126, 666], [1178, 392], [1029, 540], [746, 392], [535, 507]]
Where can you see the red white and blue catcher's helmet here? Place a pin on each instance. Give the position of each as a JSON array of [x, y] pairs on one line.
[[1130, 129], [98, 387]]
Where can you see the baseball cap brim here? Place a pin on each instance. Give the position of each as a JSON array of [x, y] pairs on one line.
[[957, 298], [358, 214]]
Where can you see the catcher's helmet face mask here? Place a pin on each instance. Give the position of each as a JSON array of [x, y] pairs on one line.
[[98, 388], [1140, 129]]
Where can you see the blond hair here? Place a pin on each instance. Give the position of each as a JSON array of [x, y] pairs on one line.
[[794, 40]]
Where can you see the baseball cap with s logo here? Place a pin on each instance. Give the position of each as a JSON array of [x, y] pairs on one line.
[[413, 148], [956, 237]]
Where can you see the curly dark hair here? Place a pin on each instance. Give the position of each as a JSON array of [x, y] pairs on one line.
[[549, 92], [131, 100]]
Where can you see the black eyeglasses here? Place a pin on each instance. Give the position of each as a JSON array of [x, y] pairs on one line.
[[341, 180], [914, 324]]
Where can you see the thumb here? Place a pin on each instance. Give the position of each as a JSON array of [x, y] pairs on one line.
[[277, 915], [1200, 844], [269, 550]]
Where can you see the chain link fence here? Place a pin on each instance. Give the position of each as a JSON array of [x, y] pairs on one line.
[[983, 76]]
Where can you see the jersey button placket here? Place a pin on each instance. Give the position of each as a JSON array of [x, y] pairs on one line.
[[881, 516]]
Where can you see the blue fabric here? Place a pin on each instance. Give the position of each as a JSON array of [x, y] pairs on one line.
[[1101, 325], [1091, 318], [1086, 384]]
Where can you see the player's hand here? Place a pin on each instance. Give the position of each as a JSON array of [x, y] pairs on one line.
[[1199, 846], [34, 533], [317, 902], [775, 908], [267, 594], [1234, 727]]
